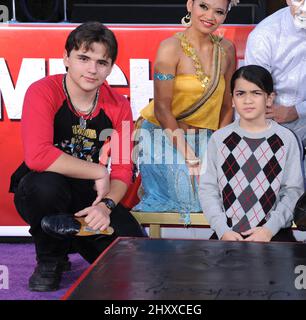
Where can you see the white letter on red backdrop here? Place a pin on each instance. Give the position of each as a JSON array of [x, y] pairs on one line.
[[30, 71], [141, 88]]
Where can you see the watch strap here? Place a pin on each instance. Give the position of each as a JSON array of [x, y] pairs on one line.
[[109, 203]]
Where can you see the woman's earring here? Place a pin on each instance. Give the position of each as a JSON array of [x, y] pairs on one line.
[[186, 21]]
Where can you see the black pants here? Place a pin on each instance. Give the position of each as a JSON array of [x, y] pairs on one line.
[[48, 193]]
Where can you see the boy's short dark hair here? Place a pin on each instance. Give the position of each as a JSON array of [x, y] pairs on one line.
[[88, 33], [255, 74]]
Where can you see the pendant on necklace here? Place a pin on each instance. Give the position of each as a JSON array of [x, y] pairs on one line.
[[82, 123]]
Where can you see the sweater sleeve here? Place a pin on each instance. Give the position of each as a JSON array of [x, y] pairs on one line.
[[37, 127], [292, 187], [209, 192]]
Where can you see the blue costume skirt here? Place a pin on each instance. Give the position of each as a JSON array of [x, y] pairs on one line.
[[165, 177]]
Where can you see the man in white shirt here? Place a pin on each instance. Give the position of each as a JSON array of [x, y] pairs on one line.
[[278, 43]]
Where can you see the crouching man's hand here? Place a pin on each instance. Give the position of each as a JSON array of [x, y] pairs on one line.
[[97, 217]]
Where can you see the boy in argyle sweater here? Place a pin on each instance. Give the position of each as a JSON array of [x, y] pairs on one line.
[[253, 177]]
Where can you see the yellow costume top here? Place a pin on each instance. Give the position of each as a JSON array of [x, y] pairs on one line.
[[187, 90], [190, 90]]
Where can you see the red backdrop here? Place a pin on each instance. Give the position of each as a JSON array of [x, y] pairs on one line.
[[25, 53]]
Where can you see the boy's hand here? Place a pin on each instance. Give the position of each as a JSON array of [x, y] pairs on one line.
[[231, 236], [261, 234]]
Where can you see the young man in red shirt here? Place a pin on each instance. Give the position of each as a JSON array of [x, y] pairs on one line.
[[65, 122]]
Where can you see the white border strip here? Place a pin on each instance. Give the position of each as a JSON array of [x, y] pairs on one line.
[[190, 233], [13, 231]]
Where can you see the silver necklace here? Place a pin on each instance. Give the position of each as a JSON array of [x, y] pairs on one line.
[[88, 113]]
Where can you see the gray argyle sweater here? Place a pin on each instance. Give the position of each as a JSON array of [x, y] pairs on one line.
[[251, 179]]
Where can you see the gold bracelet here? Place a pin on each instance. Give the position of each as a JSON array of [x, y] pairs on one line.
[[192, 162]]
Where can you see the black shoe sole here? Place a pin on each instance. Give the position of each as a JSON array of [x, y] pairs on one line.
[[41, 288]]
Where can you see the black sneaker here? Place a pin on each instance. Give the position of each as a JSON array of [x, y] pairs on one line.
[[46, 276], [61, 225]]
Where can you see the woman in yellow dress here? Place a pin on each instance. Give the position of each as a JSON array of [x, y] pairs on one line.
[[192, 98]]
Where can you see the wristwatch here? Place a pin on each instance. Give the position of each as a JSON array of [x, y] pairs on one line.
[[109, 203]]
